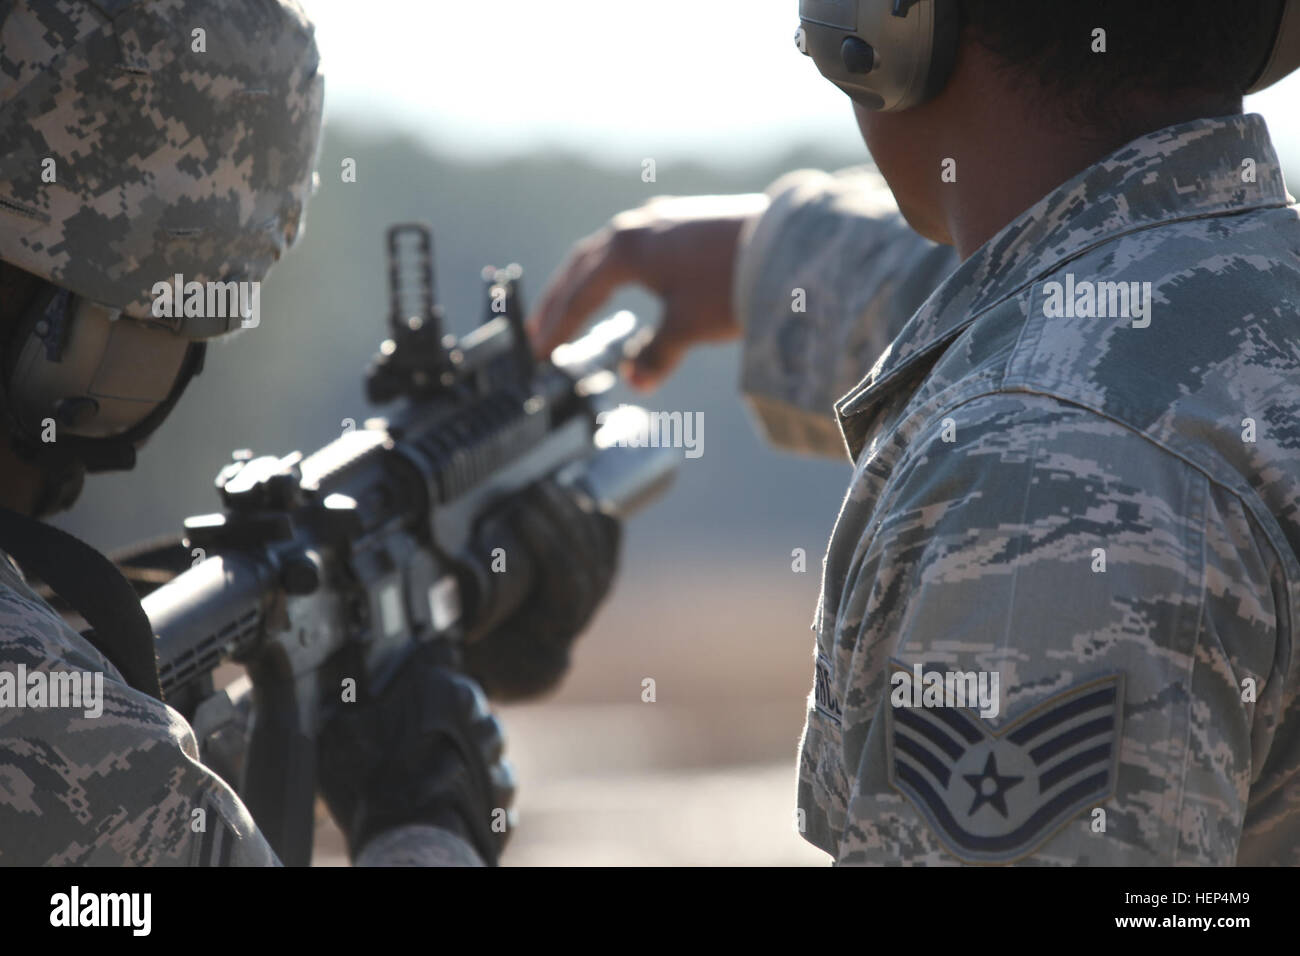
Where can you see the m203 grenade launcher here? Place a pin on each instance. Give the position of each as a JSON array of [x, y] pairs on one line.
[[338, 564]]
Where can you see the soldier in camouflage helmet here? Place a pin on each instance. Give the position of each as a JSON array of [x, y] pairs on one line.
[[1058, 620], [142, 140]]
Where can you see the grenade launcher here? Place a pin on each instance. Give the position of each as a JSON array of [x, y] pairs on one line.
[[334, 566]]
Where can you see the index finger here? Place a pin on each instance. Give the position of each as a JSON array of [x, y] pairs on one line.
[[586, 280]]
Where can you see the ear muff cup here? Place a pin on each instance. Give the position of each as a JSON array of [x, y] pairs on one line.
[[887, 55], [95, 374], [943, 52], [106, 382]]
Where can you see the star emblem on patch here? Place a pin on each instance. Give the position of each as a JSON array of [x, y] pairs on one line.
[[990, 787], [994, 794]]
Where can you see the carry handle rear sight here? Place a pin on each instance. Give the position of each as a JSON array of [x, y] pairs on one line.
[[419, 359], [414, 359]]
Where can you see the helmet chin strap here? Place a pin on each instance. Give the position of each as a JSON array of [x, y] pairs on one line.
[[60, 475], [59, 492]]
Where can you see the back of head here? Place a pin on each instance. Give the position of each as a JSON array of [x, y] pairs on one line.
[[1087, 56], [1093, 56]]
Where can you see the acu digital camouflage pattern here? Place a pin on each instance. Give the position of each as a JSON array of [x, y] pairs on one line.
[[1068, 435], [167, 160], [122, 788]]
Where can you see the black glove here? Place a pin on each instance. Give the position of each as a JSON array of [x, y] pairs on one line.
[[574, 557], [426, 751]]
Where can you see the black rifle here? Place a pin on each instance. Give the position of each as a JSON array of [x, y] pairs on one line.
[[332, 567]]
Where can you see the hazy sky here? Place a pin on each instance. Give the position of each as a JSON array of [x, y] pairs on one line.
[[619, 80]]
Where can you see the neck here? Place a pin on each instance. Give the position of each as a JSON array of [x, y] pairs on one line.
[[1006, 163]]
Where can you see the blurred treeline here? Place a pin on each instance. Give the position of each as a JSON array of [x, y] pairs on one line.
[[289, 383]]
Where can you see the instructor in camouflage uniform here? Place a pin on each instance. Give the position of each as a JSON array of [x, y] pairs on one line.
[[139, 140], [1071, 394]]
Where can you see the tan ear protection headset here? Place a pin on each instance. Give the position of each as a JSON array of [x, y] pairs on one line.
[[890, 55], [81, 385]]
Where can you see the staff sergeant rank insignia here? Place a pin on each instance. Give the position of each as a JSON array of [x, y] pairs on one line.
[[993, 795]]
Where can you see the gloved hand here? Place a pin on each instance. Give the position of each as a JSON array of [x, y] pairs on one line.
[[574, 556], [427, 750]]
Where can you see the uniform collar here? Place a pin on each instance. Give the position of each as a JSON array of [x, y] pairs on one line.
[[1188, 171]]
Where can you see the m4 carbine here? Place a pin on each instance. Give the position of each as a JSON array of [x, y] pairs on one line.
[[333, 567]]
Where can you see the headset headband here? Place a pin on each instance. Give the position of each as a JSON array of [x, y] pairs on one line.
[[1285, 55]]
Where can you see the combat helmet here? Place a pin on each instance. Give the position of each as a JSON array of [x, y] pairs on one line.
[[142, 142]]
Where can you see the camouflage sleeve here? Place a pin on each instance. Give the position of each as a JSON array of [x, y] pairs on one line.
[[1133, 615], [417, 845], [96, 773], [824, 280]]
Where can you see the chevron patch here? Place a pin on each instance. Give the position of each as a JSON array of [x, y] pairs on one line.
[[995, 795]]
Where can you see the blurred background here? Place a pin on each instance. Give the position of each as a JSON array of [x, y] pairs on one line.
[[515, 128]]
